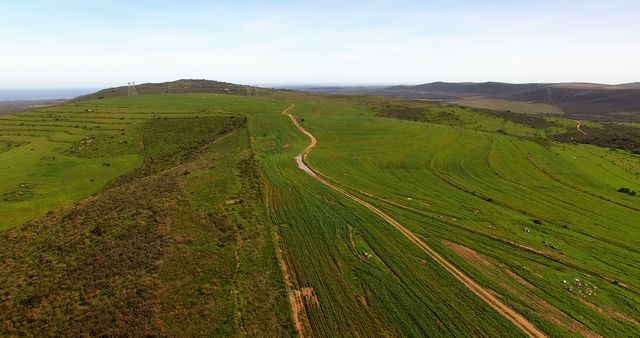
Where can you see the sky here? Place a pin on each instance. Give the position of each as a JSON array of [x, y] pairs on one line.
[[95, 43]]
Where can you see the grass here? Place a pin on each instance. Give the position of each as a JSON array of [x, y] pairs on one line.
[[201, 196], [456, 183], [160, 250], [503, 105]]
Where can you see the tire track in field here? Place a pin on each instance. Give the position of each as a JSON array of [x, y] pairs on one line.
[[484, 294]]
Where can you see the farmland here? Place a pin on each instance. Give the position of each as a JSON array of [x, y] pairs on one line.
[[185, 213]]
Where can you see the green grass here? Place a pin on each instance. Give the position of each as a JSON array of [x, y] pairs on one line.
[[157, 250], [516, 106], [531, 212], [467, 186]]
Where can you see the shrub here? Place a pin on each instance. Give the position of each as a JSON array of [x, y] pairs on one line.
[[627, 191]]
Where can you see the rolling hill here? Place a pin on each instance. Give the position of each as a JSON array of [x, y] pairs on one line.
[[176, 87], [578, 100], [285, 213]]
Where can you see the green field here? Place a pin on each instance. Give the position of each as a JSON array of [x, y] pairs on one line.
[[516, 106], [185, 214]]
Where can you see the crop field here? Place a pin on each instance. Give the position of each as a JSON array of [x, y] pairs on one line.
[[186, 214]]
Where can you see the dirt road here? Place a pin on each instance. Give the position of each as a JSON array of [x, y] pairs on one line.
[[578, 127], [480, 291]]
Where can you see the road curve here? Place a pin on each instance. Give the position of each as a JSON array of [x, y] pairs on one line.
[[578, 127], [484, 294]]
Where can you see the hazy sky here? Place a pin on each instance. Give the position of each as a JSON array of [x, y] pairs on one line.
[[102, 42]]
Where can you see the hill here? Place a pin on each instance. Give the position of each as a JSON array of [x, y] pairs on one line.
[[176, 87], [578, 100], [634, 85], [301, 214]]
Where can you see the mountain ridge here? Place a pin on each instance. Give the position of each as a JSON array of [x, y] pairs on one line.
[[578, 99]]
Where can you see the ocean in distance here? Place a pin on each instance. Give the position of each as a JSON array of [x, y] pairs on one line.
[[43, 93]]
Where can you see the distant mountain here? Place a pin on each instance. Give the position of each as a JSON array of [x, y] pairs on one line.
[[175, 87], [630, 85], [449, 90], [588, 100]]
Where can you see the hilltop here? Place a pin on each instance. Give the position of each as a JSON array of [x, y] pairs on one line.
[[177, 87]]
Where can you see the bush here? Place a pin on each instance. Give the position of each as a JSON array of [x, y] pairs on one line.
[[627, 191]]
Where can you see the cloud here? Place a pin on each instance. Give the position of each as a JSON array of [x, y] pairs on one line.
[[329, 41]]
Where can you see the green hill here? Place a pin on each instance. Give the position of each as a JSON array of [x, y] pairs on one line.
[[183, 214], [176, 87]]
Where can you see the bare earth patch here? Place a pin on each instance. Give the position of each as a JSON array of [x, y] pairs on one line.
[[469, 254]]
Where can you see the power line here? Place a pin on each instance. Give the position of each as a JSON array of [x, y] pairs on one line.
[[131, 89]]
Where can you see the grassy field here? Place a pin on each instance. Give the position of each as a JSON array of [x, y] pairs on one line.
[[515, 106], [178, 244], [478, 195], [189, 211]]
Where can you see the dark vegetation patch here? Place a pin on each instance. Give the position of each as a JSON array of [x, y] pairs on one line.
[[404, 113], [240, 262], [168, 142], [23, 192], [90, 269], [419, 114], [138, 259], [627, 191], [440, 115], [48, 158], [611, 135], [8, 145], [102, 145], [530, 120]]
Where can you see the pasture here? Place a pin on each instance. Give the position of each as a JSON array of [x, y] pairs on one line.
[[539, 222]]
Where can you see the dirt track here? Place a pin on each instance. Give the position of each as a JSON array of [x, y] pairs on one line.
[[578, 127], [481, 292]]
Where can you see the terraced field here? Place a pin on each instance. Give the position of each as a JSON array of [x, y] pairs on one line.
[[540, 225]]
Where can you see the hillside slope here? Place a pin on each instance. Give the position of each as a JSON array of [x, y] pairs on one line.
[[176, 87], [179, 245], [187, 214], [580, 100]]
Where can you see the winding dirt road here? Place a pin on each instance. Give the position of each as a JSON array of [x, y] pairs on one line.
[[578, 127], [480, 291]]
